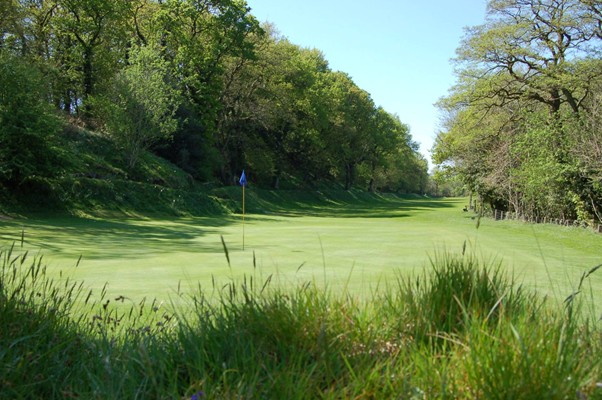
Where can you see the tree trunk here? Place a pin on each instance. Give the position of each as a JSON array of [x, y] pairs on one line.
[[225, 174], [371, 185], [67, 101], [88, 74], [349, 173], [276, 180]]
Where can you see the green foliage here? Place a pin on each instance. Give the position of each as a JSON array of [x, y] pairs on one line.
[[285, 113], [542, 176], [392, 159], [446, 183], [28, 125], [584, 217], [95, 179], [139, 109], [203, 85], [519, 128], [192, 146]]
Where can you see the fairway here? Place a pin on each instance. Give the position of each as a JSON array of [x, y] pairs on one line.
[[358, 247]]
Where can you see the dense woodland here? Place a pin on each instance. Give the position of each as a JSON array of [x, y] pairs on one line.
[[204, 85], [523, 125], [200, 83]]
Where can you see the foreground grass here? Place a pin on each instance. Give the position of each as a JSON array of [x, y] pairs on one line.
[[461, 329]]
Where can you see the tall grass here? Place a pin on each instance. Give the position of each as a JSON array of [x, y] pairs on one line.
[[36, 331], [456, 290], [462, 329]]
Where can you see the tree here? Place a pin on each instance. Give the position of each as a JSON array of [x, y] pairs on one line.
[[351, 123], [28, 125], [200, 83], [594, 15], [527, 50], [268, 117], [586, 151], [12, 34], [393, 161], [140, 107], [85, 34], [526, 77], [284, 111], [200, 38]]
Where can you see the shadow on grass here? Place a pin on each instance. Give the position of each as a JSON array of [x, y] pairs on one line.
[[71, 236], [137, 237], [382, 207]]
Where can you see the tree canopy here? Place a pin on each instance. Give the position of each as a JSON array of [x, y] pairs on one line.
[[203, 84], [521, 125]]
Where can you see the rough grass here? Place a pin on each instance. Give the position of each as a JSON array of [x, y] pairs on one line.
[[466, 330]]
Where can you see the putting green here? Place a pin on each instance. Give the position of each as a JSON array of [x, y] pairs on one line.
[[358, 247]]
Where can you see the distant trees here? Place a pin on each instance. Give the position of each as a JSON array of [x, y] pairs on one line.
[[523, 113], [286, 112], [202, 84]]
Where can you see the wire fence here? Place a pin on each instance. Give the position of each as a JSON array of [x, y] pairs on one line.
[[499, 215]]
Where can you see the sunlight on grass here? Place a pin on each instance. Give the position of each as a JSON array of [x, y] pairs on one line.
[[463, 328], [358, 246]]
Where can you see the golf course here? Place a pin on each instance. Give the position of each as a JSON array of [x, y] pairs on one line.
[[350, 242], [338, 294], [261, 199]]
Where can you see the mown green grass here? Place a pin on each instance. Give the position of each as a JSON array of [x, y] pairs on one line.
[[352, 241]]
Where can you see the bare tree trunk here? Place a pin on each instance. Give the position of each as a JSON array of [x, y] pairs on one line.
[[349, 173]]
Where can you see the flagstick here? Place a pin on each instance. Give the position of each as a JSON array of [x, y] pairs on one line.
[[243, 217]]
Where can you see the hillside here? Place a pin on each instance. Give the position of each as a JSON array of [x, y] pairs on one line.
[[92, 177]]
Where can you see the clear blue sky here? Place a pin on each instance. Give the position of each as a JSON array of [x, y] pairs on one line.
[[399, 51]]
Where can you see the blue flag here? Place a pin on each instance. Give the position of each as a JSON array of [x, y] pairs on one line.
[[243, 179]]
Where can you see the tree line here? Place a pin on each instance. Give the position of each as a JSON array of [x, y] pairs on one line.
[[522, 127], [200, 83]]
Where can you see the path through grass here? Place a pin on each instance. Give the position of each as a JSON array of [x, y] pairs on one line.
[[359, 245]]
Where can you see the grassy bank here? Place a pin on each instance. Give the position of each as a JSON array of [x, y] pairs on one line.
[[462, 329]]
